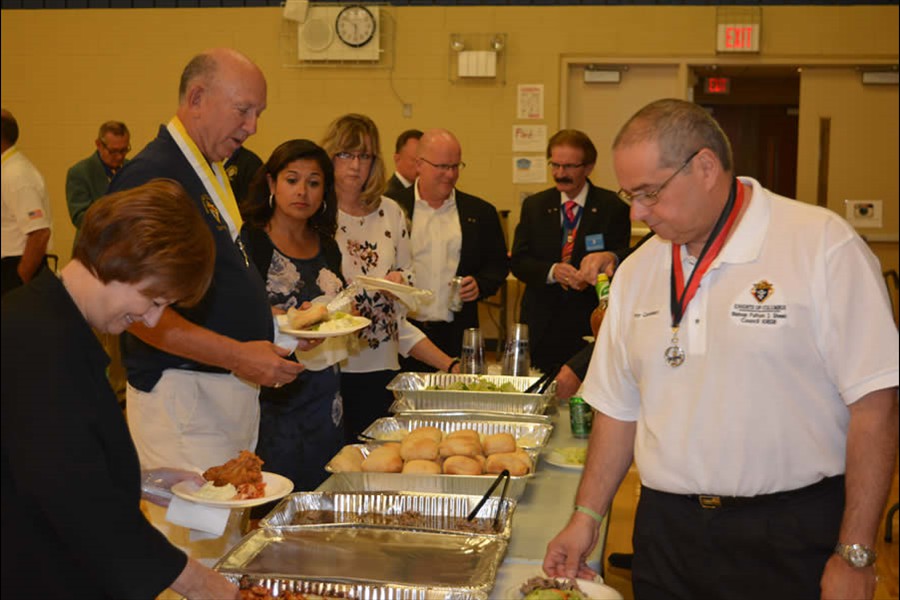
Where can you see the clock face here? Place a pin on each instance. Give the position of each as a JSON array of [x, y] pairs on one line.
[[355, 26]]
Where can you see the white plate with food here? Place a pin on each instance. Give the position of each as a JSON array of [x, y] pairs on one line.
[[585, 590], [277, 487], [333, 325], [571, 457]]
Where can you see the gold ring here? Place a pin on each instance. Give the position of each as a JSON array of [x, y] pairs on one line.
[[277, 385]]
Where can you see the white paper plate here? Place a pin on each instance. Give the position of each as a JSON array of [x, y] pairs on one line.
[[559, 460], [277, 487], [358, 323], [594, 590]]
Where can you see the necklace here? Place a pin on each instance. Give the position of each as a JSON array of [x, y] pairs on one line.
[[680, 294]]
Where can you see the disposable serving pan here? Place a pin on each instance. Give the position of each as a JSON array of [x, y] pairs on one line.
[[412, 393], [388, 563], [475, 485], [531, 432], [409, 510], [359, 591]]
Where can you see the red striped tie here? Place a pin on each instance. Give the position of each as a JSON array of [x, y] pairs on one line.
[[570, 226]]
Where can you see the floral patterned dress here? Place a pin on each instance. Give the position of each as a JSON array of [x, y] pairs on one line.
[[301, 427]]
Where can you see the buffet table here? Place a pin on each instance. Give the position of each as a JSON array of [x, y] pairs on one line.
[[542, 511]]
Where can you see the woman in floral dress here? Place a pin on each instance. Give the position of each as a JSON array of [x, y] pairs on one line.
[[373, 236], [289, 234]]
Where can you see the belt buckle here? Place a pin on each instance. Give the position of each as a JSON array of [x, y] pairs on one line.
[[710, 501]]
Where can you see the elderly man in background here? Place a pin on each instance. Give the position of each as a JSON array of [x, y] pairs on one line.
[[749, 364], [25, 220], [453, 234], [88, 179], [404, 162], [193, 381], [566, 235]]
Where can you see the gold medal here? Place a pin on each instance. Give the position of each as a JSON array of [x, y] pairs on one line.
[[674, 353]]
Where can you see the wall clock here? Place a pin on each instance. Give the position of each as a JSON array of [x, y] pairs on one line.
[[355, 25]]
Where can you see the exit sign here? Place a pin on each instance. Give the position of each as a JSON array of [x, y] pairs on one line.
[[718, 85], [738, 37]]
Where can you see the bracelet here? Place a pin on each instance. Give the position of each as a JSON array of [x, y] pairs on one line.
[[591, 513], [453, 363]]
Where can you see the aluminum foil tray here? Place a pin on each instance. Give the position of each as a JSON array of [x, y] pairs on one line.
[[411, 394], [474, 485], [359, 591], [435, 512], [386, 562], [529, 433]]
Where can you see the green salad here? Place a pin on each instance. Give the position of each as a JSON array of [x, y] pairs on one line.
[[477, 385]]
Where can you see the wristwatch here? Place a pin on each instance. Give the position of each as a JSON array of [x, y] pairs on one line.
[[856, 554]]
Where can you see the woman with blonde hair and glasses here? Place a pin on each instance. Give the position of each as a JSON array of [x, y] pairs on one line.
[[373, 236]]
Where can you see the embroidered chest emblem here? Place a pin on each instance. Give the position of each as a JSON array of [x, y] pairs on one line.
[[762, 290], [210, 207]]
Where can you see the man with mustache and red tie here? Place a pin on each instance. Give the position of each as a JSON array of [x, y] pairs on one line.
[[566, 235]]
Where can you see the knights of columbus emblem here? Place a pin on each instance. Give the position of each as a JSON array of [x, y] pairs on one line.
[[761, 290]]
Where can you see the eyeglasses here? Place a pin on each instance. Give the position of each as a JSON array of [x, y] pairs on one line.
[[445, 167], [117, 151], [363, 157], [564, 166], [648, 199]]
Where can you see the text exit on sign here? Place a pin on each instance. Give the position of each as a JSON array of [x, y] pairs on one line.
[[737, 37]]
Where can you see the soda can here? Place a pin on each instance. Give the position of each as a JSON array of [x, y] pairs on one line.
[[456, 303], [581, 417]]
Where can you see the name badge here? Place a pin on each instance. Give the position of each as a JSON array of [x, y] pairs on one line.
[[594, 242]]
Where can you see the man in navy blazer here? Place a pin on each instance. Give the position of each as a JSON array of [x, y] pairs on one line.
[[88, 179], [559, 294], [452, 234]]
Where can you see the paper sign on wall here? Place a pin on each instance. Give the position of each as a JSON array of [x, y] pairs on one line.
[[529, 138], [530, 101], [529, 169]]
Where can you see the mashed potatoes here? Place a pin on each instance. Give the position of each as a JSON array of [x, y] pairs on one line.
[[210, 491]]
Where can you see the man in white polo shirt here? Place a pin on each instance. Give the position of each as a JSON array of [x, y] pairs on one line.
[[26, 211], [749, 364]]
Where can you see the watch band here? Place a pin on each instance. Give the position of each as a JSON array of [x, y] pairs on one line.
[[857, 555]]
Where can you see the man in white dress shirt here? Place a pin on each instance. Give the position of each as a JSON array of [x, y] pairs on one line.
[[453, 234]]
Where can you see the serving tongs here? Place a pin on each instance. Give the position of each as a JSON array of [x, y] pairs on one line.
[[503, 476], [540, 386]]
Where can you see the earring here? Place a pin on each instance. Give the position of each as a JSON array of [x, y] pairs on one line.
[[271, 200], [324, 205]]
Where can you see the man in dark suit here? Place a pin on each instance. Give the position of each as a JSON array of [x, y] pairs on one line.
[[453, 234], [88, 179], [566, 235], [405, 154]]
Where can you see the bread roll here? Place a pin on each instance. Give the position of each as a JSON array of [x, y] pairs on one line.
[[432, 433], [384, 459], [419, 447], [498, 443], [465, 433], [424, 467], [482, 461], [507, 460], [349, 459], [462, 465], [300, 318], [525, 458], [463, 446]]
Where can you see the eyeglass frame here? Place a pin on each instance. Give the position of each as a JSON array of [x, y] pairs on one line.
[[116, 151], [445, 167], [565, 166], [363, 157], [648, 199]]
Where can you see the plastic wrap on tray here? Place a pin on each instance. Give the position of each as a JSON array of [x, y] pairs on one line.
[[531, 431], [429, 392], [375, 563], [409, 510], [358, 481]]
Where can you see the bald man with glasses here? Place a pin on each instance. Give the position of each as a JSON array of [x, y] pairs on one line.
[[453, 234], [566, 235]]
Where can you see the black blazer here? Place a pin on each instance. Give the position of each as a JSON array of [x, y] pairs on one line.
[[548, 309], [483, 252], [394, 187]]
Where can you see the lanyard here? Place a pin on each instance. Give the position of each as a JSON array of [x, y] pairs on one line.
[[680, 295], [8, 154]]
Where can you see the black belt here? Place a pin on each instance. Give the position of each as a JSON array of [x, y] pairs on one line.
[[429, 324], [713, 501]]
